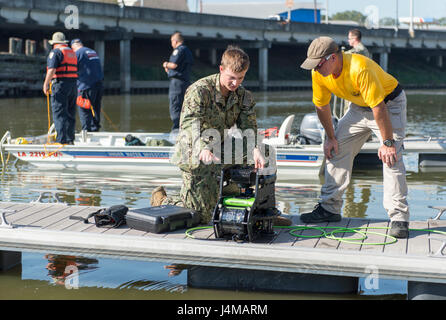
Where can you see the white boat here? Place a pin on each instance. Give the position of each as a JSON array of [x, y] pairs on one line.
[[107, 151]]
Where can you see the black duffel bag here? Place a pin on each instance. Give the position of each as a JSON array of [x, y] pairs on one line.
[[112, 217]]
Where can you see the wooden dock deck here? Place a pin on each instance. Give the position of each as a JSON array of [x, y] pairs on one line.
[[46, 227]]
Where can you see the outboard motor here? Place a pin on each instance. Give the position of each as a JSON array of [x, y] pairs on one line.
[[311, 129]]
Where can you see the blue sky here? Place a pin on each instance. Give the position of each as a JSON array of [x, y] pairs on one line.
[[387, 8]]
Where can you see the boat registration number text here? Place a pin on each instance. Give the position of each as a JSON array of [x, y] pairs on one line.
[[39, 154]]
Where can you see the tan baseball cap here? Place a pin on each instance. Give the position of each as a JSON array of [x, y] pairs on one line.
[[319, 48], [58, 37]]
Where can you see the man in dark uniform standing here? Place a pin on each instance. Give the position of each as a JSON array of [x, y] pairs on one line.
[[89, 85], [62, 74], [178, 70]]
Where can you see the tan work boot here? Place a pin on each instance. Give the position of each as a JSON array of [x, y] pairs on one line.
[[158, 196], [282, 221]]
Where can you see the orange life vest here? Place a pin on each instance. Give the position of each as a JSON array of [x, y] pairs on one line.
[[68, 66]]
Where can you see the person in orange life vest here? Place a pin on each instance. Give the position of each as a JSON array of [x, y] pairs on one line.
[[89, 85], [62, 74]]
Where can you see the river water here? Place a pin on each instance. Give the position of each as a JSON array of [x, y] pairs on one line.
[[38, 277]]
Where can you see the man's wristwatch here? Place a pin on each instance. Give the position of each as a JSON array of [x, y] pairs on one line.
[[389, 142]]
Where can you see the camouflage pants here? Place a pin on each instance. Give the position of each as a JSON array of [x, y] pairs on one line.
[[200, 191]]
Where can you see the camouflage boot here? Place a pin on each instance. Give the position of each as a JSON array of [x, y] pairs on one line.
[[158, 196], [282, 221]]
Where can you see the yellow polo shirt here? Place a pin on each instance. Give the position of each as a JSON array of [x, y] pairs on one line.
[[362, 81]]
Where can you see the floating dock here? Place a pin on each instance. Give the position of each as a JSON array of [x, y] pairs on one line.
[[286, 262]]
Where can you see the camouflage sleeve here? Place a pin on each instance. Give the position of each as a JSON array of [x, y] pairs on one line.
[[247, 118], [189, 142], [194, 117]]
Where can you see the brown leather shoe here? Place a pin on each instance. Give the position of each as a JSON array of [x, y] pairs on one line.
[[158, 196], [282, 221]]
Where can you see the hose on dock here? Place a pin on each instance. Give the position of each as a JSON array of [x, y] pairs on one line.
[[331, 235]]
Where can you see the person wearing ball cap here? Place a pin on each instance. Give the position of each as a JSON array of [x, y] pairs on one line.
[[60, 86], [378, 105]]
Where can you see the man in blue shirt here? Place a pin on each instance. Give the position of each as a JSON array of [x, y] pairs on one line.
[[60, 82], [89, 85], [178, 70]]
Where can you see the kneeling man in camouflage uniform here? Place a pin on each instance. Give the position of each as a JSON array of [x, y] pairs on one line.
[[211, 107]]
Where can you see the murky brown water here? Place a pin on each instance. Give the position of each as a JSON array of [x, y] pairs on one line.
[[38, 276]]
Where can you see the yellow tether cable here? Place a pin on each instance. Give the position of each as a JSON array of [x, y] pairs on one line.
[[49, 117], [49, 154], [92, 111], [109, 120]]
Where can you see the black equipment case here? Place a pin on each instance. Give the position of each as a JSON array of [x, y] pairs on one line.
[[161, 218]]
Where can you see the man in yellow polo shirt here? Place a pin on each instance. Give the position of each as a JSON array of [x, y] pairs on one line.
[[378, 105]]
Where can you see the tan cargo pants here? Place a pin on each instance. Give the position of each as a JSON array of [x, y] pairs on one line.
[[352, 132]]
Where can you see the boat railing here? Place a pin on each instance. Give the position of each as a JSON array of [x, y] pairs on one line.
[[52, 130], [6, 138]]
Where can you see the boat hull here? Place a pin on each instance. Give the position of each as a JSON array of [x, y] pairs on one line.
[[107, 152], [291, 163]]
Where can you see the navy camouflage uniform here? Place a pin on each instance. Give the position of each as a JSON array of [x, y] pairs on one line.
[[205, 106]]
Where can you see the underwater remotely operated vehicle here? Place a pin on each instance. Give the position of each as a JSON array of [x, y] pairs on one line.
[[248, 214]]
